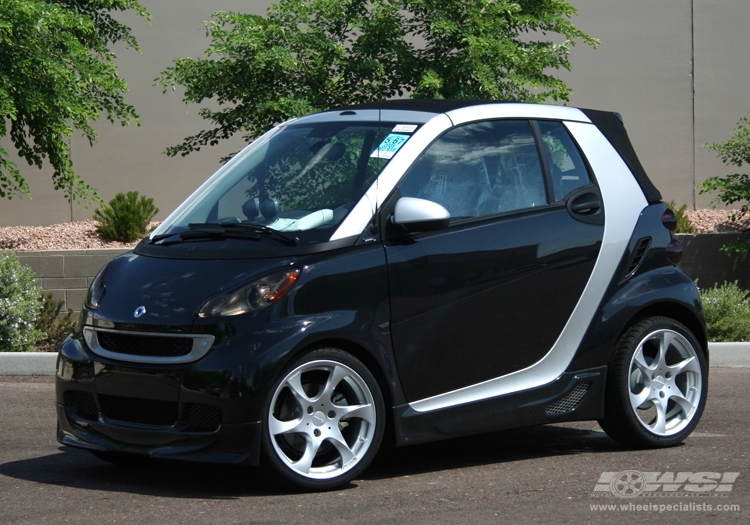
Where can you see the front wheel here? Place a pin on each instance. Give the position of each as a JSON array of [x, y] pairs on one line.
[[656, 386], [324, 421]]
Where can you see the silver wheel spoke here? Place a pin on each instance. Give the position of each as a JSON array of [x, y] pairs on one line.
[[342, 446], [295, 386], [688, 365], [660, 424], [337, 375], [686, 407], [305, 462], [363, 412], [277, 427], [640, 362], [665, 339], [637, 400]]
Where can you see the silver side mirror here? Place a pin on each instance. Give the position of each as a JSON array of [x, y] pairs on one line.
[[417, 215]]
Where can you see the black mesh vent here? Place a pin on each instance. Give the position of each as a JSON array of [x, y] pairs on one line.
[[84, 402], [145, 344], [638, 253], [204, 417], [569, 402], [133, 410]]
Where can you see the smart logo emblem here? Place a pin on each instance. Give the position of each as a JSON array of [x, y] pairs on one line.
[[139, 311]]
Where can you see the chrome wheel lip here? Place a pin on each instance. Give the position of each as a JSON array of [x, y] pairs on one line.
[[652, 385], [320, 420]]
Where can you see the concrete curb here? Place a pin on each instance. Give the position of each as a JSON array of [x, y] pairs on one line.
[[27, 363], [43, 363]]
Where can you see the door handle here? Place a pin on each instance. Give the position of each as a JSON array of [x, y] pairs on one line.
[[586, 204]]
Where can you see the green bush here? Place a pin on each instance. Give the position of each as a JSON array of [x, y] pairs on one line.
[[127, 217], [55, 326], [20, 305], [733, 188], [727, 311], [683, 223]]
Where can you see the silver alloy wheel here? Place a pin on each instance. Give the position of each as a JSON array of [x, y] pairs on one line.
[[322, 419], [665, 382]]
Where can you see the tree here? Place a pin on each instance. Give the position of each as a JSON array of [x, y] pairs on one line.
[[734, 188], [310, 55], [57, 74]]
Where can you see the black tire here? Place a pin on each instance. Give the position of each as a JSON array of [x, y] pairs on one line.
[[656, 385], [311, 437]]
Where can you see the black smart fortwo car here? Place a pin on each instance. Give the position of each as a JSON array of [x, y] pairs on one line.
[[440, 268]]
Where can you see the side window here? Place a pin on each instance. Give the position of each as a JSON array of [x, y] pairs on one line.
[[480, 169], [566, 164]]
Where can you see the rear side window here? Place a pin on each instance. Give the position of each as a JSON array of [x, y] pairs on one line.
[[566, 164], [480, 169]]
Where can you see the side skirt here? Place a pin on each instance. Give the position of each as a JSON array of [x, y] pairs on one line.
[[574, 396]]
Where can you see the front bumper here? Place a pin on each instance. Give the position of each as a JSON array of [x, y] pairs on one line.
[[167, 412]]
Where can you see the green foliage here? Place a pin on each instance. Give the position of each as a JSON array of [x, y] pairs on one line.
[[727, 311], [733, 188], [683, 223], [310, 55], [20, 304], [127, 217], [56, 75], [55, 326]]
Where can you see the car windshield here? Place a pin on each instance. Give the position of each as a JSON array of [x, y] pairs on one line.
[[302, 181]]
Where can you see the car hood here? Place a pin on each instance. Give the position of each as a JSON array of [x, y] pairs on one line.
[[171, 290]]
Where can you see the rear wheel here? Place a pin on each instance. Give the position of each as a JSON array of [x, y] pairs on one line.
[[324, 421], [656, 385]]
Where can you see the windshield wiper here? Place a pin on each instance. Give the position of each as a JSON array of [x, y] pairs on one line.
[[216, 230], [231, 229], [206, 234]]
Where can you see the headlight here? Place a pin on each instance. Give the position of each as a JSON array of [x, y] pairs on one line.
[[97, 290], [251, 297]]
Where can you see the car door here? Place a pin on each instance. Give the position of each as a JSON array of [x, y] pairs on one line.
[[490, 294]]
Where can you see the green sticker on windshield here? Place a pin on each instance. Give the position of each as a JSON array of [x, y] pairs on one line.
[[390, 145]]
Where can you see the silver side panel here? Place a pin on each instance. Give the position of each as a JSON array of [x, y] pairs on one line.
[[623, 203], [525, 111]]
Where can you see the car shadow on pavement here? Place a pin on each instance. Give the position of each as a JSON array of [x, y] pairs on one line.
[[492, 448], [78, 469]]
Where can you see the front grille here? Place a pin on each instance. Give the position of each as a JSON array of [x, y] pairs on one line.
[[134, 410], [204, 417], [569, 402], [157, 346], [84, 402]]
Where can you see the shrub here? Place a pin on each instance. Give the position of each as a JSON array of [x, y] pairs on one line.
[[727, 311], [20, 305], [733, 188], [127, 217], [55, 326], [683, 223]]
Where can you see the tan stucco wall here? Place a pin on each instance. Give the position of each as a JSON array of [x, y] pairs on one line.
[[642, 69]]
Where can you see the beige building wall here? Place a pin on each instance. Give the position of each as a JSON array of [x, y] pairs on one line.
[[650, 53]]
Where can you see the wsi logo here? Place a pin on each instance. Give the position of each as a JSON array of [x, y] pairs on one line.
[[630, 483]]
